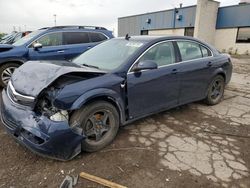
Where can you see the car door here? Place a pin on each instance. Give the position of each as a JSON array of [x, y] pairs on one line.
[[152, 90], [52, 47], [195, 70]]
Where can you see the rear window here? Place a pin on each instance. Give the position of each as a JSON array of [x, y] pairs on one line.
[[75, 37], [191, 50], [97, 37], [205, 52]]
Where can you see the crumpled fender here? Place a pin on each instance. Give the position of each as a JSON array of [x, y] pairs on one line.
[[101, 92]]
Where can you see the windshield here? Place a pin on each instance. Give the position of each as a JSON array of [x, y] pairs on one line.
[[109, 55], [27, 38]]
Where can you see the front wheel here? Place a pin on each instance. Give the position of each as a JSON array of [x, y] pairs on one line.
[[215, 90], [6, 72], [99, 122]]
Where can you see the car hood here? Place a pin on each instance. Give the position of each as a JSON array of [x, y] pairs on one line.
[[32, 77], [5, 47]]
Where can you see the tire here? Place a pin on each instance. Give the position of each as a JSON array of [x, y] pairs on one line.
[[215, 90], [6, 72], [87, 121]]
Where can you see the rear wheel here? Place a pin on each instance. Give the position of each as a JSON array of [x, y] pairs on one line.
[[215, 90], [99, 122], [6, 72]]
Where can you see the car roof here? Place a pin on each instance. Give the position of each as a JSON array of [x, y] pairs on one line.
[[153, 39], [74, 27]]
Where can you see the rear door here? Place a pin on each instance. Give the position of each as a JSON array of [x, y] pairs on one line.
[[195, 70], [75, 43], [52, 47], [152, 90], [80, 41]]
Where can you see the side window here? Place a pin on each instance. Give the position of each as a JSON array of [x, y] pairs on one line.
[[97, 37], [75, 37], [52, 39], [189, 50], [205, 52], [162, 54]]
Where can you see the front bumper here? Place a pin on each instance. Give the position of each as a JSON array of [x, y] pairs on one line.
[[38, 133]]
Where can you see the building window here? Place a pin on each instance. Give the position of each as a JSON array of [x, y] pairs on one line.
[[243, 35], [189, 31], [144, 32]]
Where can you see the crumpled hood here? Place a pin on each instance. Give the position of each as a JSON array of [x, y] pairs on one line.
[[32, 77]]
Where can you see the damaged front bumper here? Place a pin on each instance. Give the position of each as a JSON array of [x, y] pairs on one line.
[[38, 133]]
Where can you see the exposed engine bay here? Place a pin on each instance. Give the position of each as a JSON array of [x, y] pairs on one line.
[[45, 100]]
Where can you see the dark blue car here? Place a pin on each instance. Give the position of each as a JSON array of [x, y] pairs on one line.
[[60, 108], [55, 43]]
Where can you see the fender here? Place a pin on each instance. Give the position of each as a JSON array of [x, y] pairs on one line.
[[101, 92]]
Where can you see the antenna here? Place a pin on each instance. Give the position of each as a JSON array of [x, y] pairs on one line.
[[127, 37]]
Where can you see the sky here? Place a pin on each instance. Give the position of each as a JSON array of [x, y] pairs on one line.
[[35, 14]]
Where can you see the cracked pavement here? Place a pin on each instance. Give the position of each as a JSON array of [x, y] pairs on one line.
[[208, 144]]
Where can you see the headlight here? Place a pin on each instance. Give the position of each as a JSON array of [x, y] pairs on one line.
[[62, 115]]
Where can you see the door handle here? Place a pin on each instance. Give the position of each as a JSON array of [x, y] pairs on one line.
[[89, 47], [209, 64], [174, 71], [60, 51]]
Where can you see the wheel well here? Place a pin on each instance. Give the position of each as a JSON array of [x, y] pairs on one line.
[[223, 75], [14, 61], [107, 99]]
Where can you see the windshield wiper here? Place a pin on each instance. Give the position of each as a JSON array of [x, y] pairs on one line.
[[92, 66]]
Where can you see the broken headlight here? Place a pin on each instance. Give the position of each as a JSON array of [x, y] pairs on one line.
[[61, 115], [45, 107]]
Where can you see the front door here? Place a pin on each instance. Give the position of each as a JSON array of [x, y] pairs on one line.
[[153, 90], [52, 48]]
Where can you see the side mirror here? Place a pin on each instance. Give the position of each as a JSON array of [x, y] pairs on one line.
[[37, 45], [145, 65]]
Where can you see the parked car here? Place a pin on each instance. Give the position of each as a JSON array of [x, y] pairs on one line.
[[13, 37], [58, 109], [54, 43]]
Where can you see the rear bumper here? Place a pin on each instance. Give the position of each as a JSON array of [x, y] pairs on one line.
[[38, 133]]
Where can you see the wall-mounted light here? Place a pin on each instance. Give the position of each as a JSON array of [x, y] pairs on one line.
[[178, 17], [148, 21]]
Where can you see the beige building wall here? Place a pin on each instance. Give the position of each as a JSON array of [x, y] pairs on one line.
[[178, 32], [225, 41], [205, 20]]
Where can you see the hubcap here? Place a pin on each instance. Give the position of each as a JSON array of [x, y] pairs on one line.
[[217, 89], [98, 124], [6, 74]]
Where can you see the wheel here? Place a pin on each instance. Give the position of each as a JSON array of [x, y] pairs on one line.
[[6, 72], [99, 122], [215, 90]]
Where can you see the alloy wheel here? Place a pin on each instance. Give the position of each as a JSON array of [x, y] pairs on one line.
[[217, 89], [7, 73], [97, 125]]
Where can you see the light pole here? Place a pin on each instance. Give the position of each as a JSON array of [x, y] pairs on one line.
[[54, 19]]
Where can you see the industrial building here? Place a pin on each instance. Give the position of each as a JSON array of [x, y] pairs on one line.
[[227, 28]]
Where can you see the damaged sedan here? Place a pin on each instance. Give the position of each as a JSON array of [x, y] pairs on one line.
[[59, 108]]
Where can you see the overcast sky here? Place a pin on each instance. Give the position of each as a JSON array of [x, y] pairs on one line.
[[39, 13]]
